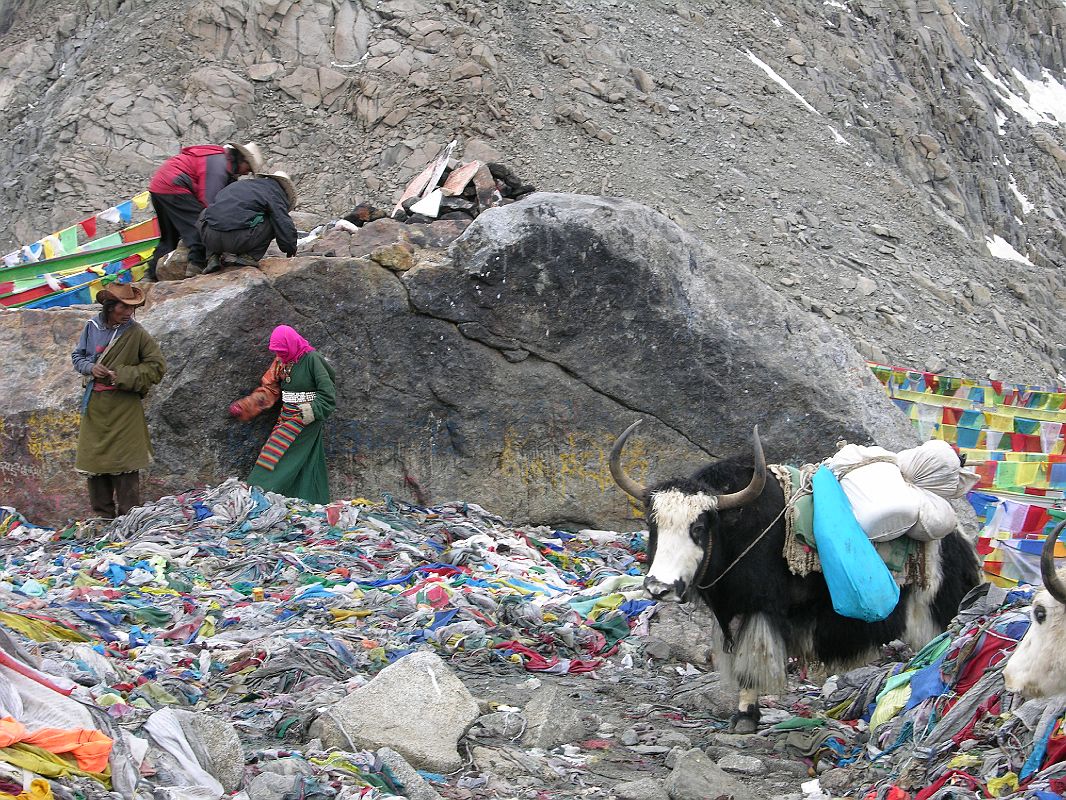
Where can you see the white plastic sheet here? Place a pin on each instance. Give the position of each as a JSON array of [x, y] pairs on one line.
[[166, 732]]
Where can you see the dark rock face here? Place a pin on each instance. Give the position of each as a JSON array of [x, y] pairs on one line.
[[501, 374], [624, 303]]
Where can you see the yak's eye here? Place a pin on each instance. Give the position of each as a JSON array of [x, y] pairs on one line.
[[695, 532], [1039, 614]]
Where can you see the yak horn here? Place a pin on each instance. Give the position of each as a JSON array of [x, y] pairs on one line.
[[758, 480], [1052, 581], [625, 483]]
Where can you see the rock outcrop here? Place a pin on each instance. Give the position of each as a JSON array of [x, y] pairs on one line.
[[499, 369]]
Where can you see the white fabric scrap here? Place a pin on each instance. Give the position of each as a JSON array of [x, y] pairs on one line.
[[166, 732]]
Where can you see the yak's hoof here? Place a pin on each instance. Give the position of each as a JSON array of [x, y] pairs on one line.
[[746, 721], [745, 725]]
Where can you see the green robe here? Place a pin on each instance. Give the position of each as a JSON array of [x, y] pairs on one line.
[[113, 437], [301, 471]]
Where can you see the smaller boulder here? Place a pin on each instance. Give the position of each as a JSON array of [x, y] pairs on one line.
[[413, 785], [216, 745], [696, 777], [644, 789], [551, 720]]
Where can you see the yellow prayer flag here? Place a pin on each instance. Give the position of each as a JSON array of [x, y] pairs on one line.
[[140, 201], [1000, 422], [1028, 474], [949, 433]]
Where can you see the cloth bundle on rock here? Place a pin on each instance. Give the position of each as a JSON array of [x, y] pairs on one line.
[[293, 460], [905, 493]]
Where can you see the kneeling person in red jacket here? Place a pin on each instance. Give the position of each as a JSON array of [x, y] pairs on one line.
[[187, 183], [244, 218]]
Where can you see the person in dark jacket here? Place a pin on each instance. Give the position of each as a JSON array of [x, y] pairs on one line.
[[243, 220], [186, 184]]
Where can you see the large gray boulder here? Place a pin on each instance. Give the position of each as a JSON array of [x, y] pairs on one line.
[[416, 706], [499, 370]]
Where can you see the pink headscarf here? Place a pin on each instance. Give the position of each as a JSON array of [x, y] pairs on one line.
[[288, 345]]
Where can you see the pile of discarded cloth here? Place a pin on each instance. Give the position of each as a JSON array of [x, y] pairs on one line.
[[255, 611], [942, 724]]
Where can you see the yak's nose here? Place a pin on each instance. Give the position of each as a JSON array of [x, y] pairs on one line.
[[657, 589]]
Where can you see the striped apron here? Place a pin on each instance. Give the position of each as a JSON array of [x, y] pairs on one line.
[[286, 429]]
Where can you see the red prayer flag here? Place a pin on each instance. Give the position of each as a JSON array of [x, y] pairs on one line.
[[1035, 520], [89, 226]]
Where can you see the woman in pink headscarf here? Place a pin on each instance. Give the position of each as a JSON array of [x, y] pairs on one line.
[[293, 460]]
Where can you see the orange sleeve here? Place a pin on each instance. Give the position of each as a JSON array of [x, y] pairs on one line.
[[268, 393]]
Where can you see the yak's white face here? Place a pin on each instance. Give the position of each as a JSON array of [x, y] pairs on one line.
[[1037, 668], [678, 549]]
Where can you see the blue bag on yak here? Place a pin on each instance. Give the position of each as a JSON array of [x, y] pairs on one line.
[[859, 582]]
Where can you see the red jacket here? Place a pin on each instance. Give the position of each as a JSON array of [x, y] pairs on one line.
[[200, 170]]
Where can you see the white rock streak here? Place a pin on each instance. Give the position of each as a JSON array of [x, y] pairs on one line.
[[779, 80], [1000, 248]]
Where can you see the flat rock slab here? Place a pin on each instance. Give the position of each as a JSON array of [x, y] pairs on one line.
[[551, 719]]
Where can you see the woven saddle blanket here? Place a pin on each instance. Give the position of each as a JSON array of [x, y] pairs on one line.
[[904, 557]]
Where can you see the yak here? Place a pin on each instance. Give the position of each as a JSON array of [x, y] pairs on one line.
[[1037, 667], [719, 535]]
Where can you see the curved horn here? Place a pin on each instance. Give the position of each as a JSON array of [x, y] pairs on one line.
[[1052, 582], [758, 480], [625, 483]]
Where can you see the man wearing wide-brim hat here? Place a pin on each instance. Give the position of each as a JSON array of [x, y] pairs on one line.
[[186, 184], [245, 217], [119, 362]]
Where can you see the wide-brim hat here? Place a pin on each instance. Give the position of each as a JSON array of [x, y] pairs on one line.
[[286, 184], [251, 153], [123, 292]]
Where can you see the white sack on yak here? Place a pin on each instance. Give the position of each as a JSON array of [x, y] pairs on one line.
[[876, 490], [934, 466], [936, 517], [896, 494]]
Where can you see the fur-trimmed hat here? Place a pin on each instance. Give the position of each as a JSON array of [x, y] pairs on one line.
[[286, 184], [122, 292], [249, 152]]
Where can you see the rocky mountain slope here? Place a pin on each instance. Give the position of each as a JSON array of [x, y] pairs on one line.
[[858, 155]]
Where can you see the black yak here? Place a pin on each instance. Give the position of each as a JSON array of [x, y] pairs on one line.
[[719, 536]]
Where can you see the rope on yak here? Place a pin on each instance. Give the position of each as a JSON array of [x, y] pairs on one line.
[[803, 490]]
